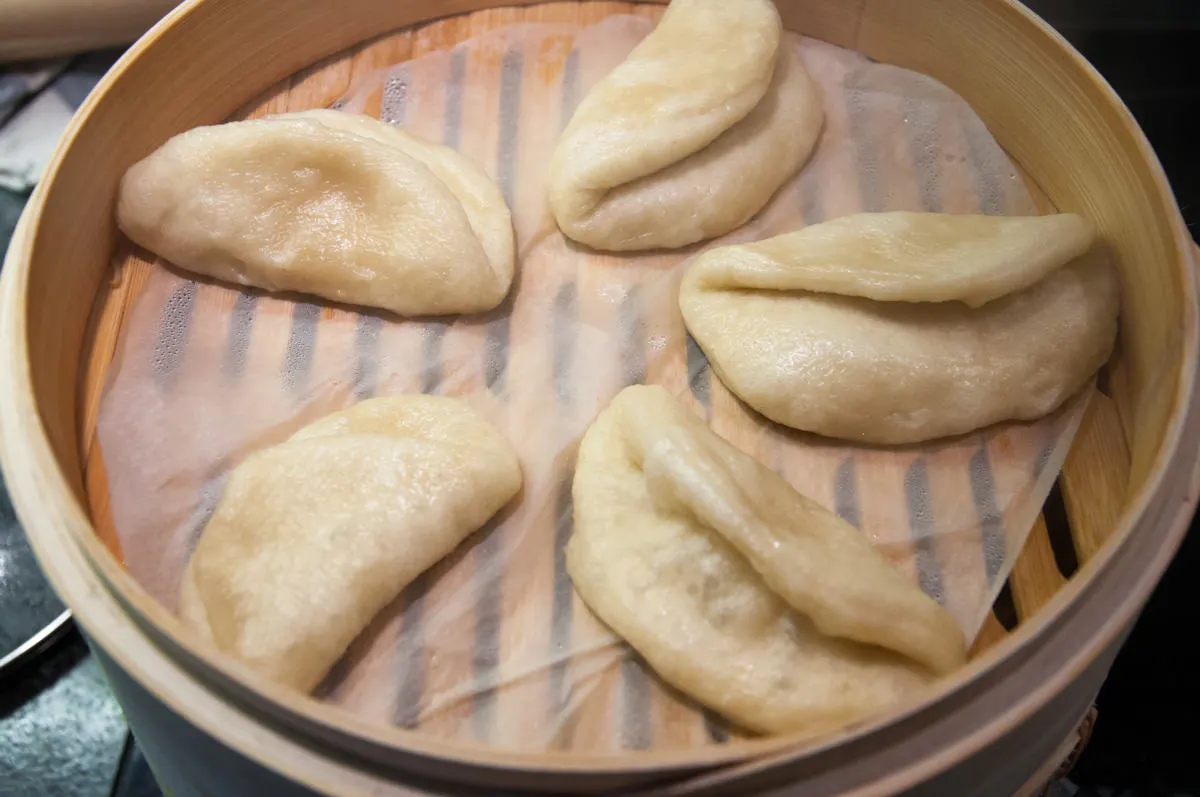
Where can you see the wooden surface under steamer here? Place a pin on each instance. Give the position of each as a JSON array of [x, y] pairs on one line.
[[40, 28], [897, 31]]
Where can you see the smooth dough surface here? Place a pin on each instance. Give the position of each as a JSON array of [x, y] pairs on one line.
[[904, 257], [338, 205], [481, 199], [691, 135], [736, 589], [316, 535], [924, 364]]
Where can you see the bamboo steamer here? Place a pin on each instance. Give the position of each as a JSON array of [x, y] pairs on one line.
[[999, 728]]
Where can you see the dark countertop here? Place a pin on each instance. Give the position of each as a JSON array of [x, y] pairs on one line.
[[1144, 739], [61, 733]]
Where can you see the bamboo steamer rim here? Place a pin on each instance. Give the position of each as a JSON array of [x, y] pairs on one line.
[[46, 495]]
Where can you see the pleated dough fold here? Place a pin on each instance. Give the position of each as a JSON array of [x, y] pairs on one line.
[[691, 135], [338, 205], [316, 535], [736, 589], [902, 327]]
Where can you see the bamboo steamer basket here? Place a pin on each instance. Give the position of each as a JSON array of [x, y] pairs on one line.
[[1000, 727]]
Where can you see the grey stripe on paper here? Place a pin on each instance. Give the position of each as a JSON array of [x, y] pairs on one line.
[[561, 626], [809, 188], [845, 492], [570, 88], [330, 685], [635, 704], [811, 206], [563, 602], [867, 159], [174, 324], [566, 317], [202, 512], [566, 313], [991, 523], [511, 70], [631, 326], [718, 730], [394, 105], [411, 647], [989, 162], [1043, 457], [487, 630], [920, 522], [487, 625], [565, 332], [921, 120], [432, 336], [366, 355], [302, 341], [699, 373], [488, 602], [496, 343], [452, 125], [241, 325]]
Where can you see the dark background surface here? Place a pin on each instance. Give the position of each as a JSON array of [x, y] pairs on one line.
[[61, 733], [1145, 740]]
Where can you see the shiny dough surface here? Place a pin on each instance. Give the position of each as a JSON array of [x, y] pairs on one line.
[[314, 536], [691, 135], [340, 206], [785, 325], [736, 589]]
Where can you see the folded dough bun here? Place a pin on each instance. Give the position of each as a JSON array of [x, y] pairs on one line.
[[338, 205], [737, 590], [486, 210], [897, 328], [691, 135], [314, 536]]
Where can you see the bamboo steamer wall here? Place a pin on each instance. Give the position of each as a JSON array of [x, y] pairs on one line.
[[211, 727]]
